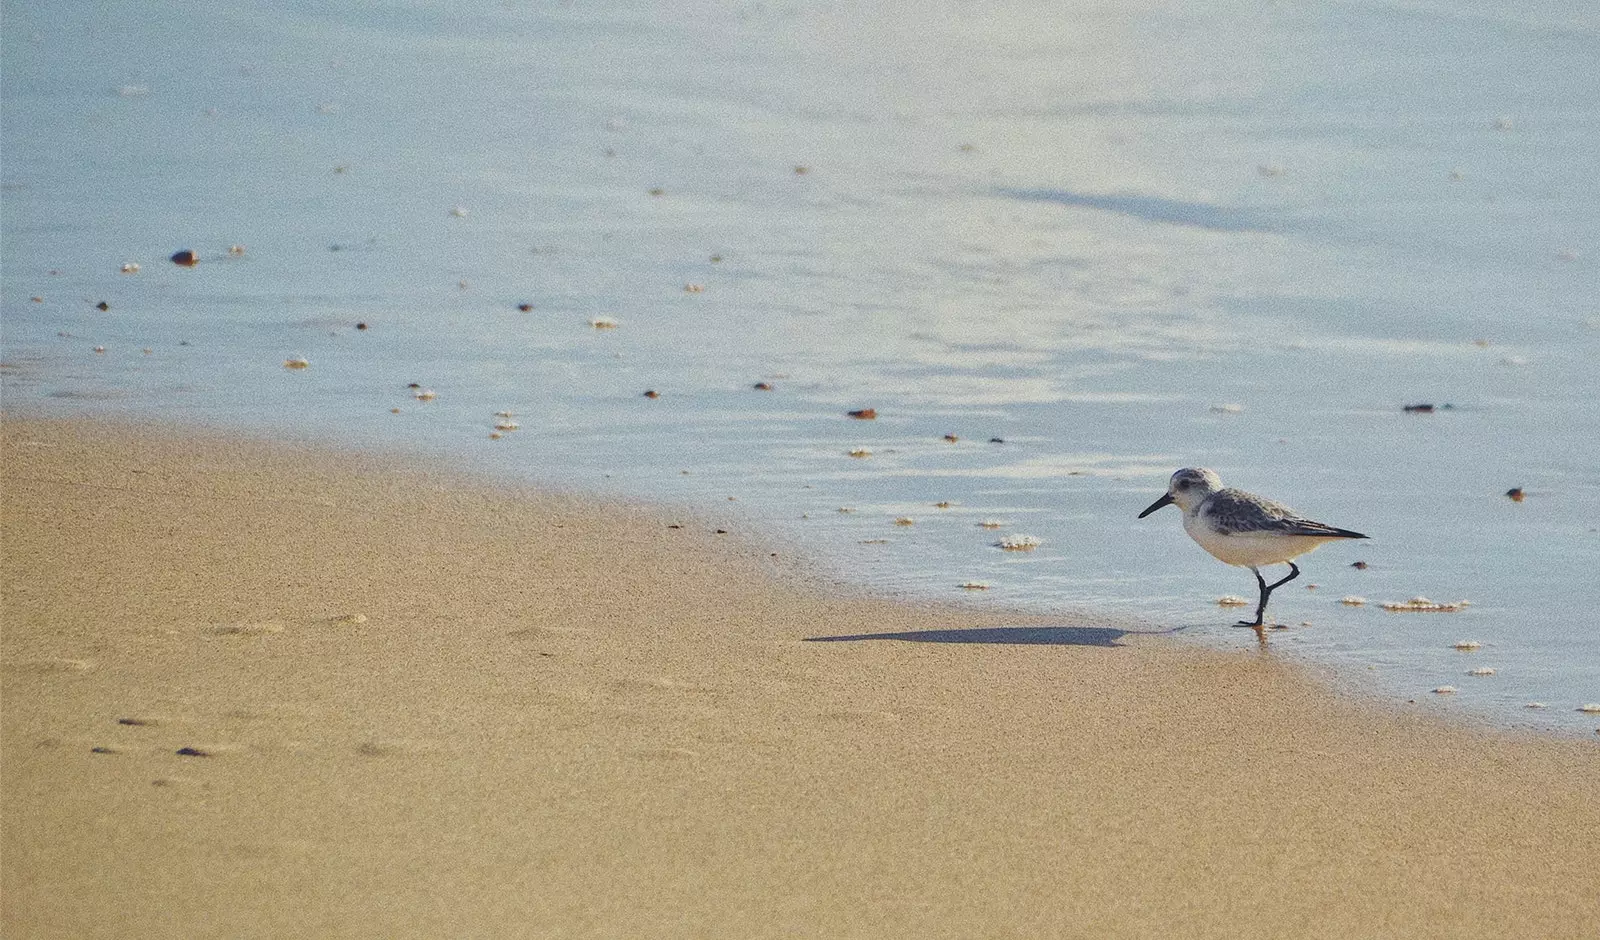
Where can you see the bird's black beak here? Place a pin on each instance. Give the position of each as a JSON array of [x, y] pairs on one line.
[[1165, 500]]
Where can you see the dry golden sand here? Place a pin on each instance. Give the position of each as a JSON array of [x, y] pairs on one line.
[[564, 720]]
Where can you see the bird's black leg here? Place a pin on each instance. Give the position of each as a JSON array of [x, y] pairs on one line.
[[1267, 589], [1260, 607], [1294, 572]]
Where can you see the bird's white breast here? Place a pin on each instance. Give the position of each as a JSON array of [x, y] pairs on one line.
[[1248, 549]]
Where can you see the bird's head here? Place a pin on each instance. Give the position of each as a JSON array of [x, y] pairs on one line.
[[1188, 488]]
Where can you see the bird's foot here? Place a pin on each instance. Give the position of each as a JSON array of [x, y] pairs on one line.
[[1252, 624]]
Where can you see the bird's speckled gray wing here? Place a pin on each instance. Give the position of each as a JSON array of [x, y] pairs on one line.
[[1235, 512]]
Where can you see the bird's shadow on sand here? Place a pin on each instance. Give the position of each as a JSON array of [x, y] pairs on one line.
[[1020, 636]]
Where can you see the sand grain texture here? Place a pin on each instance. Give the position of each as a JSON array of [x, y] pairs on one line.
[[426, 707]]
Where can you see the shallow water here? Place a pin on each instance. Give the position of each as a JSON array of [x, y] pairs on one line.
[[1119, 240]]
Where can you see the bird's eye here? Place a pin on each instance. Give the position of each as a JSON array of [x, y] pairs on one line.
[[1183, 484]]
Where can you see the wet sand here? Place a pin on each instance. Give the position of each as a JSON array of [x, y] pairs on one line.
[[262, 690]]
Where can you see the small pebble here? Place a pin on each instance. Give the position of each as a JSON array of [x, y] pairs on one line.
[[1467, 646], [102, 306], [192, 752], [1481, 671], [1516, 495], [951, 438], [1423, 409], [652, 394], [361, 326], [185, 258], [132, 267], [1352, 600], [424, 394], [1536, 705], [1232, 600], [458, 212], [525, 308], [1359, 565], [694, 288], [860, 452], [236, 251], [863, 414], [974, 586], [296, 364], [100, 349], [905, 520], [1590, 708], [991, 524], [943, 504], [603, 323], [1445, 690], [1020, 543], [762, 386]]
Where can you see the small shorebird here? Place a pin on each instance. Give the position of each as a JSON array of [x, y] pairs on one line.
[[1244, 529]]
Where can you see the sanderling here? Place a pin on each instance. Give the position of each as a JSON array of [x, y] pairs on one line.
[[1244, 529]]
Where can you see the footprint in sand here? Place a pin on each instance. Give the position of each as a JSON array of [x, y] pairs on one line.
[[142, 721], [203, 749], [542, 633], [279, 625], [396, 747], [256, 628]]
